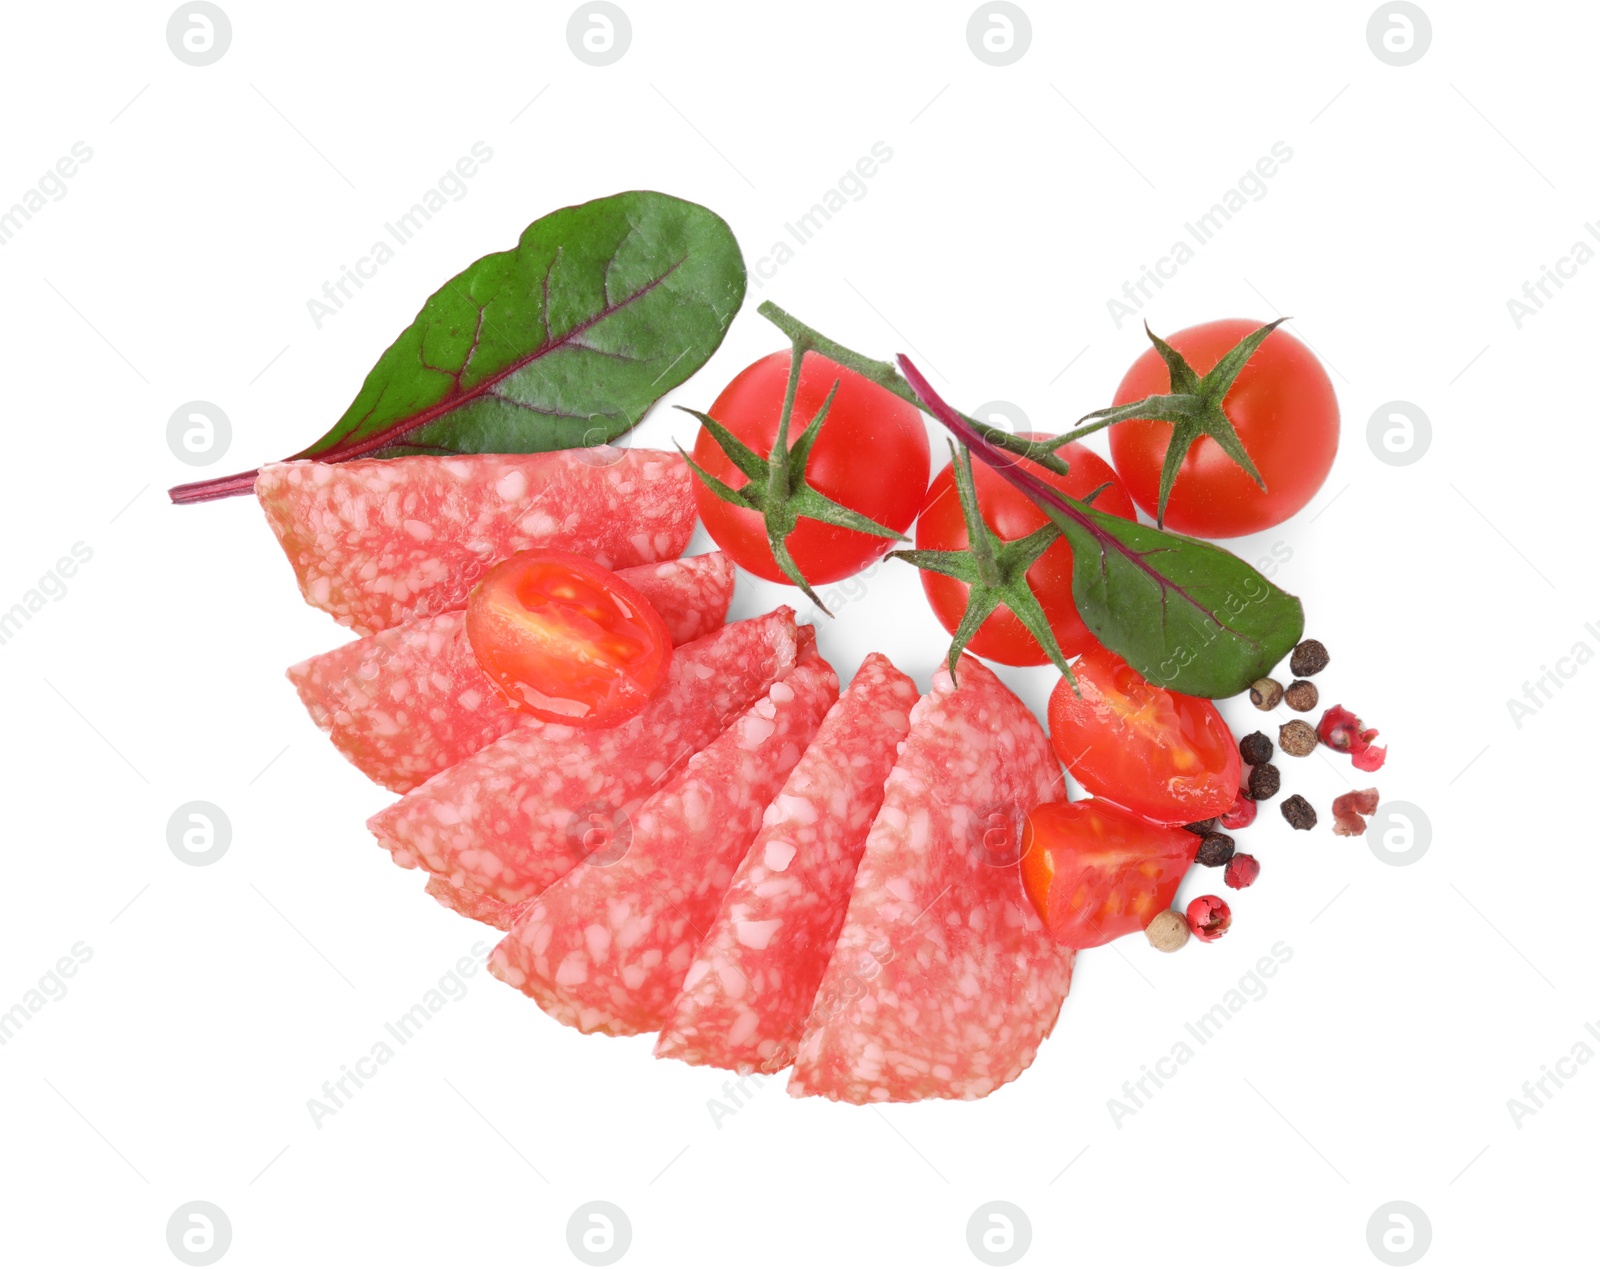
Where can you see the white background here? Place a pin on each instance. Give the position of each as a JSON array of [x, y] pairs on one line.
[[1018, 200]]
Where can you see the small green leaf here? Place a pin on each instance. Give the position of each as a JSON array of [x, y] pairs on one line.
[[564, 341]]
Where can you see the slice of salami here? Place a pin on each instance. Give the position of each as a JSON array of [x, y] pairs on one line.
[[475, 907], [521, 812], [943, 981], [747, 994], [376, 542], [606, 948], [411, 701]]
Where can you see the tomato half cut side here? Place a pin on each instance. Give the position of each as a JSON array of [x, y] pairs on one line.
[[1095, 872], [1163, 755], [567, 640]]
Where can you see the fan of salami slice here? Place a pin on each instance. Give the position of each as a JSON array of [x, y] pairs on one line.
[[523, 811], [943, 981], [379, 541], [747, 994], [606, 948]]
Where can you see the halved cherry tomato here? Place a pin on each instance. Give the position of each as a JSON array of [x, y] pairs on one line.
[[1163, 755], [567, 640], [1096, 872]]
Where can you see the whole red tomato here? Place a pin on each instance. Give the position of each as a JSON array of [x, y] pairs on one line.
[[1012, 515], [871, 456], [1282, 406]]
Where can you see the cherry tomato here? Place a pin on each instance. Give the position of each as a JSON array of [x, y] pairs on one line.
[[567, 640], [1012, 514], [870, 456], [1282, 406], [1165, 756], [1096, 872]]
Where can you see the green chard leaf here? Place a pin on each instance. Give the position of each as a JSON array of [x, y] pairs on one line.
[[1186, 614], [564, 341]]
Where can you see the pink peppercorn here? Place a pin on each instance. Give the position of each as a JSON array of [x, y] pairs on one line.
[[1209, 918], [1241, 872], [1242, 814]]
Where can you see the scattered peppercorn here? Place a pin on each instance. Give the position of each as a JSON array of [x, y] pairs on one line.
[[1202, 827], [1216, 850], [1243, 813], [1209, 918], [1168, 931], [1349, 810], [1265, 781], [1242, 871], [1299, 812], [1266, 693], [1308, 658], [1256, 748], [1301, 695], [1297, 738]]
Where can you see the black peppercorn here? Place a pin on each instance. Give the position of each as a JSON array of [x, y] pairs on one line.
[[1301, 695], [1216, 850], [1255, 748], [1308, 658], [1264, 782], [1299, 812], [1202, 827]]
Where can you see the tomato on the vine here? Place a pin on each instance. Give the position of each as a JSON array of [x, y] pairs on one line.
[[567, 640], [1011, 514], [1163, 755], [1096, 872], [1283, 409], [870, 456]]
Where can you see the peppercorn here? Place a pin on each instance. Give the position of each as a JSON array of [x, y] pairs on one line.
[[1202, 827], [1309, 657], [1265, 781], [1266, 693], [1209, 918], [1299, 812], [1297, 738], [1301, 695], [1167, 932], [1216, 850], [1256, 748], [1242, 871], [1242, 815]]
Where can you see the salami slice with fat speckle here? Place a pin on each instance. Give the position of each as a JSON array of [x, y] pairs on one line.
[[376, 542], [747, 994], [943, 981], [475, 907], [606, 948], [411, 701], [524, 810]]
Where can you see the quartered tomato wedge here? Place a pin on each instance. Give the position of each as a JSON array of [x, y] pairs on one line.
[[1096, 872], [567, 640], [1166, 756]]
